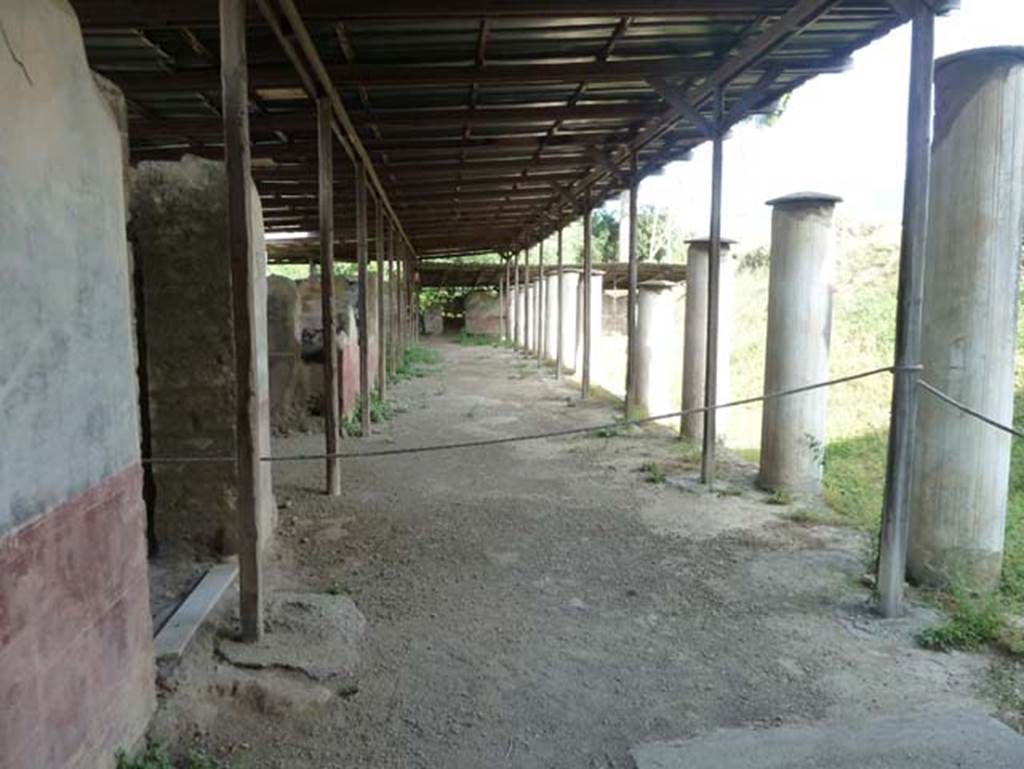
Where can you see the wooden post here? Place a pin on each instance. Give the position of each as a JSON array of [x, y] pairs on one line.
[[631, 299], [399, 299], [362, 255], [411, 313], [382, 342], [588, 268], [527, 333], [332, 418], [392, 332], [561, 310], [707, 465], [502, 320], [541, 283], [235, 102], [892, 552], [517, 320]]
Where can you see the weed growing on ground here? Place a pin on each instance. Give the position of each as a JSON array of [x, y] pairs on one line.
[[975, 620], [655, 473], [689, 452], [337, 587], [417, 362], [810, 517], [780, 497], [380, 411], [155, 756]]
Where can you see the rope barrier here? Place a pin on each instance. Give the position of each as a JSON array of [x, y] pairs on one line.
[[968, 410], [541, 436]]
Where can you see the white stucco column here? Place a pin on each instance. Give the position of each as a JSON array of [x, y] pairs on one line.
[[961, 465], [696, 336], [551, 316], [520, 301], [657, 346], [531, 325], [799, 328], [596, 310], [570, 308]]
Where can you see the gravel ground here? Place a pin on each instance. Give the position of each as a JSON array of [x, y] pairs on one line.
[[542, 604]]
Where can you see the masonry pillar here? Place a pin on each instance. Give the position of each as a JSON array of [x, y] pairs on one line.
[[799, 327], [695, 342], [961, 465], [656, 346]]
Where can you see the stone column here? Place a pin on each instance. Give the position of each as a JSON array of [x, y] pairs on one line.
[[520, 300], [656, 346], [696, 336], [596, 311], [570, 297], [551, 316], [799, 327], [961, 465], [531, 315]]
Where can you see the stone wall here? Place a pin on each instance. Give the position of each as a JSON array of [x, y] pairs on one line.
[[76, 659], [483, 313], [178, 229]]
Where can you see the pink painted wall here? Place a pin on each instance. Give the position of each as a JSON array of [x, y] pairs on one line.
[[76, 655], [76, 665]]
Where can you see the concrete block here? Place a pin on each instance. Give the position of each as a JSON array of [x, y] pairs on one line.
[[948, 740]]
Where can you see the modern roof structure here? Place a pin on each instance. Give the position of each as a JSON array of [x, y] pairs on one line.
[[483, 125]]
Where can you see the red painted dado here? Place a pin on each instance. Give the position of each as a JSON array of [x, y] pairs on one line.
[[76, 651], [348, 374]]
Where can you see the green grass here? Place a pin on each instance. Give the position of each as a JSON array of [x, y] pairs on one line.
[[780, 497], [481, 340], [974, 620], [808, 517]]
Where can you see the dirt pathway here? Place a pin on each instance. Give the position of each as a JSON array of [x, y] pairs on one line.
[[542, 604]]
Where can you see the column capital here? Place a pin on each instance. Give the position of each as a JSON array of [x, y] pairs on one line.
[[805, 199]]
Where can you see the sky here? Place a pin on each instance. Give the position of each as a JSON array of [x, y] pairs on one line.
[[843, 134]]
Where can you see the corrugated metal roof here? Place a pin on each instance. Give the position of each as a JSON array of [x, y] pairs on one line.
[[486, 121]]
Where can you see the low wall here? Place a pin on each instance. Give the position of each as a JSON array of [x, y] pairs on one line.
[[76, 657]]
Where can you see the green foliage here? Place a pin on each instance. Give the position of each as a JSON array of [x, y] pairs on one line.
[[655, 473], [780, 497], [604, 228], [975, 620]]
